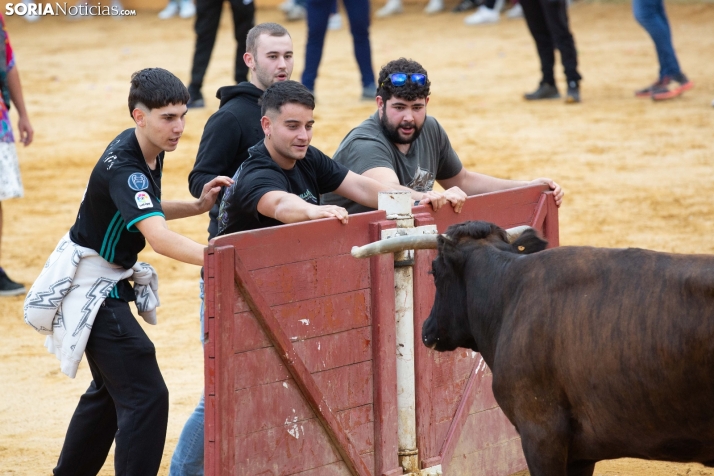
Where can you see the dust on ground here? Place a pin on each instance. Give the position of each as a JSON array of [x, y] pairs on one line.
[[636, 173]]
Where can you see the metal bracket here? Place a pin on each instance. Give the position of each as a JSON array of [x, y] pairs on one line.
[[407, 257]]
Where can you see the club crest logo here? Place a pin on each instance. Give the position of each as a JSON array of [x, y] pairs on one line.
[[138, 182], [143, 200]]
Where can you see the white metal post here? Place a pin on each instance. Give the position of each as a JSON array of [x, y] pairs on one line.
[[398, 207]]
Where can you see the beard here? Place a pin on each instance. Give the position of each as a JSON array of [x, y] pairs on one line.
[[392, 132]]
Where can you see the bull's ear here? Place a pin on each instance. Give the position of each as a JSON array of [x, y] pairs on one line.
[[529, 242], [450, 251]]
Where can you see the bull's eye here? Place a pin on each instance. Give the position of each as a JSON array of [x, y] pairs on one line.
[[521, 248]]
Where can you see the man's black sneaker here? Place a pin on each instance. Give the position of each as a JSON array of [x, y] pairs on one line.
[[195, 98], [573, 94], [544, 91], [195, 103], [8, 287]]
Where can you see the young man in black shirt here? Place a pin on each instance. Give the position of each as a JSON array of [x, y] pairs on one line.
[[284, 176], [228, 135], [127, 400]]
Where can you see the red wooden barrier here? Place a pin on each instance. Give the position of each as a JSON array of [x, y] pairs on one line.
[[300, 353]]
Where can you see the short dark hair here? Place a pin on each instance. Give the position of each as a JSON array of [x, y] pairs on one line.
[[271, 29], [410, 91], [285, 92], [156, 88]]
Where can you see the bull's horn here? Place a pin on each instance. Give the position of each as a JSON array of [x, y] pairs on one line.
[[415, 242], [515, 232], [396, 244]]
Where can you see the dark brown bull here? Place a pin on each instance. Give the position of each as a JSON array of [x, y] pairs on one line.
[[595, 353]]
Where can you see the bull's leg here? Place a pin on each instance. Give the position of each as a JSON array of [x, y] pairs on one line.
[[581, 468], [545, 448]]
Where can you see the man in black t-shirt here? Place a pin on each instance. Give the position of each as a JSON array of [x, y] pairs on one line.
[[284, 176], [127, 400]]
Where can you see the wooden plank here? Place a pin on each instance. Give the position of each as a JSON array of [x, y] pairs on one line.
[[312, 393], [484, 429], [276, 246], [457, 424], [278, 443], [358, 422], [222, 267], [346, 387], [550, 226], [452, 366], [483, 398], [424, 292], [541, 210], [210, 455], [273, 404], [333, 469], [285, 450], [384, 363], [262, 366], [506, 209], [311, 279], [306, 319], [501, 460]]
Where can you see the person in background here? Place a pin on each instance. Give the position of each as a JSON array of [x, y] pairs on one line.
[[393, 7], [10, 181], [318, 13], [182, 8], [548, 24], [208, 18], [653, 18]]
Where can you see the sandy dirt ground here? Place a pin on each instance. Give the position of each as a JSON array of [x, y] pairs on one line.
[[636, 173]]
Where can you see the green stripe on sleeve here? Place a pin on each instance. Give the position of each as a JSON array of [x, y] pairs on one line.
[[131, 224], [109, 233]]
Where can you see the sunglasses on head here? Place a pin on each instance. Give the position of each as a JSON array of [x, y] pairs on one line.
[[400, 79]]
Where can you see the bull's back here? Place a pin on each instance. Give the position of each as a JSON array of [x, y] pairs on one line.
[[624, 339]]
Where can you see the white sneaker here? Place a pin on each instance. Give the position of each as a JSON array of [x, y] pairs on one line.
[[434, 6], [390, 8], [297, 12], [482, 15], [286, 5], [712, 103], [187, 9], [334, 22], [31, 18], [170, 11], [515, 12]]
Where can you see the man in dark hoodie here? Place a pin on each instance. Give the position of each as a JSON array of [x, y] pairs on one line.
[[228, 135], [235, 127]]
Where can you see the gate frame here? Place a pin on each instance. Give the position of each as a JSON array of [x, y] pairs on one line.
[[223, 264]]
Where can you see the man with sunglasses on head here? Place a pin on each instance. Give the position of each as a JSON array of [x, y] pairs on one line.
[[400, 146]]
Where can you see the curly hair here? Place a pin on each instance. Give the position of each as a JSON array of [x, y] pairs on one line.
[[410, 91]]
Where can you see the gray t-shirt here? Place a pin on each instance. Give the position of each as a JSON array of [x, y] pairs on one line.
[[430, 158]]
